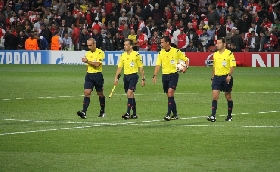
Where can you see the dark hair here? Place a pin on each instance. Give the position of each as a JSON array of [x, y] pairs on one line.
[[222, 39], [166, 39], [129, 40]]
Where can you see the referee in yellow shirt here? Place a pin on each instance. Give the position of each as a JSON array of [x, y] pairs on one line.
[[130, 60], [93, 78], [222, 80], [168, 58]]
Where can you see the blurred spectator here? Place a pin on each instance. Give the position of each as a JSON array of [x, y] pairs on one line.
[[67, 43], [84, 36], [199, 31], [222, 19], [154, 42], [146, 30], [2, 42], [212, 15], [56, 42], [10, 41], [98, 39], [238, 13], [183, 40], [229, 24], [236, 39], [253, 42], [221, 10], [212, 33], [142, 41], [231, 14], [122, 18], [2, 31], [234, 48], [193, 37], [125, 31], [31, 43], [75, 36], [44, 45], [221, 30], [108, 44], [69, 19], [262, 41], [133, 36], [205, 39], [119, 42], [244, 24], [277, 23], [191, 47], [21, 40], [45, 32]]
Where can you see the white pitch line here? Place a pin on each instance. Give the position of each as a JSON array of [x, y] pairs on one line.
[[114, 124], [67, 96], [269, 126], [204, 125]]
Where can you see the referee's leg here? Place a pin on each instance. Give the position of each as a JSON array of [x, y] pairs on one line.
[[229, 99], [216, 87]]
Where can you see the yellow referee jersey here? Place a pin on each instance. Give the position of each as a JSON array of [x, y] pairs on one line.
[[130, 62], [97, 56], [169, 59], [133, 38], [223, 62]]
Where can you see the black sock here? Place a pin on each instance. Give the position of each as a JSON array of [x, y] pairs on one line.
[[102, 103], [170, 105], [214, 107], [134, 106], [129, 104], [230, 106], [174, 109], [86, 103]]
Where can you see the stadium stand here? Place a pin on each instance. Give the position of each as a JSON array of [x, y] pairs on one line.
[[67, 19]]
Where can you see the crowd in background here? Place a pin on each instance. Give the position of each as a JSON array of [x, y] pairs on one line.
[[192, 25]]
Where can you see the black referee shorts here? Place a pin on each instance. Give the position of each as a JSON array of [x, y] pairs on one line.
[[94, 80], [130, 81], [169, 81], [220, 83]]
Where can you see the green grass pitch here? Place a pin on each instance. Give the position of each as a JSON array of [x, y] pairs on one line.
[[40, 131]]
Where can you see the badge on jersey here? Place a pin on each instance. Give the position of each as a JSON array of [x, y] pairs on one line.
[[224, 63], [172, 62], [131, 64]]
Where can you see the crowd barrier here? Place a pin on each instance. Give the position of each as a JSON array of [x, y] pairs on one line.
[[247, 59]]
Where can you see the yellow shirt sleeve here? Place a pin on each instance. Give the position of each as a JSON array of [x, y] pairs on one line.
[[232, 60], [101, 56], [181, 56], [159, 61], [120, 64], [139, 60]]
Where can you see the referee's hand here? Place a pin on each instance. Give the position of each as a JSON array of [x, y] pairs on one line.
[[154, 79], [84, 59], [143, 83], [228, 79], [184, 69], [116, 81]]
